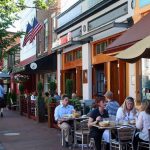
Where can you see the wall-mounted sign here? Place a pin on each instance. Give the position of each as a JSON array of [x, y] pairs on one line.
[[33, 66], [65, 39]]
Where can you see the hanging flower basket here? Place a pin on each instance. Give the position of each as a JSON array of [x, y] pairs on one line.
[[19, 78]]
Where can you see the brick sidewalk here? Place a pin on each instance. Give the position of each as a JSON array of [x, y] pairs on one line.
[[20, 133]]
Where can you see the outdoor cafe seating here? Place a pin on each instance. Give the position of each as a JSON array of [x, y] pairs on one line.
[[125, 138], [82, 133], [146, 145]]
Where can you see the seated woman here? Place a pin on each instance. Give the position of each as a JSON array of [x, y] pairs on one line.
[[143, 123], [95, 116], [127, 111]]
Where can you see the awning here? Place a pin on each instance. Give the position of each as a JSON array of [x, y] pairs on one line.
[[137, 32], [139, 50]]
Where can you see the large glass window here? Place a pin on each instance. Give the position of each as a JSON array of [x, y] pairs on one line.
[[144, 3], [78, 54], [69, 57], [101, 47], [145, 78]]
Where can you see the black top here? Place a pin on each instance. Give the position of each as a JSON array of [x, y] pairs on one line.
[[94, 114]]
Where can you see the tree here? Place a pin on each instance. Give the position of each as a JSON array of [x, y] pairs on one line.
[[9, 10]]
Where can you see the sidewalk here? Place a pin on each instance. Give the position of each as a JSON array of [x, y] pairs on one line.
[[20, 133]]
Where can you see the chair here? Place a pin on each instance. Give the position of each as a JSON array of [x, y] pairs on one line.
[[125, 138], [82, 131], [145, 144], [92, 144]]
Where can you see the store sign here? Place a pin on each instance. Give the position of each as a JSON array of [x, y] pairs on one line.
[[65, 39]]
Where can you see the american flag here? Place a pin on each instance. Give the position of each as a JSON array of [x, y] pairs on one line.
[[28, 34], [36, 28]]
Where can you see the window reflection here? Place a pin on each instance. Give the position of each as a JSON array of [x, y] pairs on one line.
[[146, 78]]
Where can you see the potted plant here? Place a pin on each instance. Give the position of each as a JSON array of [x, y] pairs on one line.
[[52, 87], [69, 87], [40, 103]]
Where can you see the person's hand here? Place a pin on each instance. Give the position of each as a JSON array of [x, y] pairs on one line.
[[98, 118]]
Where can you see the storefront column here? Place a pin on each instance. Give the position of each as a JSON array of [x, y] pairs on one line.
[[59, 68], [87, 71], [79, 81]]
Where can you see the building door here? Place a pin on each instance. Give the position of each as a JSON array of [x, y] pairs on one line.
[[100, 80], [114, 81]]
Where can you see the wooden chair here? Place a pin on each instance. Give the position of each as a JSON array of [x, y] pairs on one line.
[[125, 138], [144, 144]]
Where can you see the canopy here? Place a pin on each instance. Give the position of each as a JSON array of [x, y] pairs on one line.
[[139, 50]]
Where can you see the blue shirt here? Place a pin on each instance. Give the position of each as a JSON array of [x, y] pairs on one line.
[[61, 110], [2, 92], [112, 107]]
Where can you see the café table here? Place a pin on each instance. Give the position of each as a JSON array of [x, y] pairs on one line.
[[74, 127], [111, 127]]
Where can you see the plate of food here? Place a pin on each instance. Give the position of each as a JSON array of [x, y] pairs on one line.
[[104, 123], [132, 122], [66, 116]]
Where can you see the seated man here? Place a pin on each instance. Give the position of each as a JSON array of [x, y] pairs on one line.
[[60, 111]]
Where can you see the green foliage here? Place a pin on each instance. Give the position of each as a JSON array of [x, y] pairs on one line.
[[69, 87], [8, 15], [21, 88], [52, 100], [40, 89], [52, 87], [76, 103]]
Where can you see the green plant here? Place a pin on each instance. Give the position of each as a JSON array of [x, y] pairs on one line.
[[52, 87], [52, 100], [69, 87], [40, 103], [76, 103], [21, 88], [40, 89]]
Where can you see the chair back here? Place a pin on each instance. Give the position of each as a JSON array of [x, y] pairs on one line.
[[84, 124], [125, 133]]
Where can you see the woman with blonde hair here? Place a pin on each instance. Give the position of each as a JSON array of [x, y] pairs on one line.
[[143, 124], [127, 111]]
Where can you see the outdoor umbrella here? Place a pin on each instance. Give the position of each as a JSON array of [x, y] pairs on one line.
[[4, 75]]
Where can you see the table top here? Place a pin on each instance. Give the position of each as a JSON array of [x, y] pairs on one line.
[[112, 127]]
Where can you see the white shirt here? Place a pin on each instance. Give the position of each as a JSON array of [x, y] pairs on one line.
[[33, 98], [143, 123], [124, 116]]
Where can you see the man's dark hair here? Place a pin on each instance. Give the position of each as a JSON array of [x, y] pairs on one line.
[[64, 96]]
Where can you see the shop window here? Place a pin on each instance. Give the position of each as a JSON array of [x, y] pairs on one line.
[[39, 44], [78, 54], [53, 19], [46, 35], [101, 47], [69, 57]]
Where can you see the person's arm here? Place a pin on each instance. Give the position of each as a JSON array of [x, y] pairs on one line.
[[119, 114], [139, 121], [56, 114]]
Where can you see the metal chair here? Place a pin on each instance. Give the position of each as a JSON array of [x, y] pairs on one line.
[[125, 138], [81, 132], [92, 144], [144, 144]]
